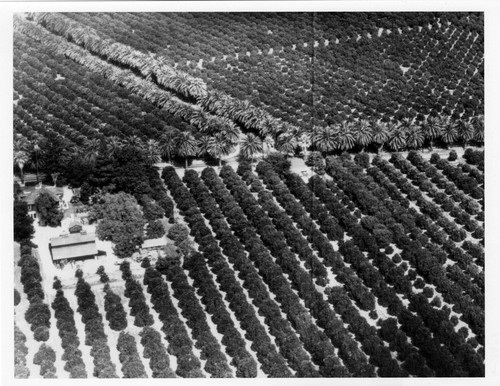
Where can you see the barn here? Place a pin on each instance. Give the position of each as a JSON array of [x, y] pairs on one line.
[[73, 246]]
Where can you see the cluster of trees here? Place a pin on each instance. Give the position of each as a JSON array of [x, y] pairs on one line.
[[474, 157], [427, 207], [120, 221], [246, 367], [94, 330], [38, 312], [137, 301], [103, 106], [20, 352], [421, 257], [286, 340], [45, 358], [23, 223], [351, 254], [180, 344], [156, 352], [442, 359], [466, 204], [272, 362], [388, 177], [267, 42], [467, 184], [216, 362], [48, 210], [217, 133], [68, 333], [379, 355], [463, 217], [115, 313], [272, 274], [318, 237], [132, 366], [446, 249]]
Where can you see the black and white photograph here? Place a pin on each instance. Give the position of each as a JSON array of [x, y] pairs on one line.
[[255, 190]]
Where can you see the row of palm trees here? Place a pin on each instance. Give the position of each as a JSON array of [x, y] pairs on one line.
[[220, 142], [172, 143], [407, 134]]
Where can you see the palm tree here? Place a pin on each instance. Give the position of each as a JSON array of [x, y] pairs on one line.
[[134, 143], [20, 159], [229, 130], [286, 143], [203, 145], [324, 138], [448, 130], [250, 145], [397, 138], [167, 143], [21, 156], [267, 126], [186, 145], [478, 123], [36, 153], [304, 142], [465, 131], [363, 133], [219, 146], [268, 143], [113, 145], [152, 151], [380, 133], [414, 137], [431, 130], [91, 150], [345, 136]]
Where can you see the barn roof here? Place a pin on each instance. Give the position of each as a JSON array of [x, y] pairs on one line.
[[73, 238], [74, 251], [73, 246]]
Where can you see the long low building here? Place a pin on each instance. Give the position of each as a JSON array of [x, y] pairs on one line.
[[74, 246]]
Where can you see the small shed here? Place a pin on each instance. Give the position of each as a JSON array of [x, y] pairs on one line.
[[153, 244], [75, 227]]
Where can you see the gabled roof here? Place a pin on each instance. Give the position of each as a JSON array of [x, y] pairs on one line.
[[74, 251], [76, 224], [33, 194], [73, 238], [154, 243], [73, 246]]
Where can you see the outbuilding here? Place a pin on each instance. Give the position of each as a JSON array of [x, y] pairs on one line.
[[73, 246]]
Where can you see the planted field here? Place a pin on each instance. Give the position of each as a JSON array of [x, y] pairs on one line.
[[288, 278], [351, 262]]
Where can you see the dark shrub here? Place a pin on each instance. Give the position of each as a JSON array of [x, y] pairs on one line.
[[17, 297]]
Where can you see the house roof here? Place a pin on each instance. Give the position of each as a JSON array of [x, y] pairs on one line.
[[72, 246], [154, 243], [33, 194]]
